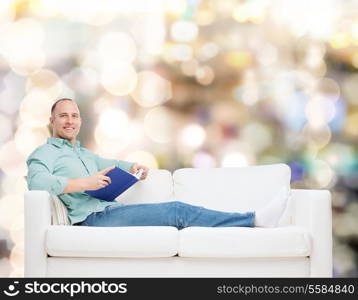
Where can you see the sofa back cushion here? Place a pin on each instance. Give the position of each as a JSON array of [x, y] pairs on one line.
[[230, 189], [156, 188]]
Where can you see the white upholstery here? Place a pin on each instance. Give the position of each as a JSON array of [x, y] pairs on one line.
[[156, 188], [300, 247], [244, 242], [84, 241], [178, 267], [230, 189]]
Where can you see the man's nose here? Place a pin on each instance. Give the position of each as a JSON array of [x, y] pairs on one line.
[[69, 120]]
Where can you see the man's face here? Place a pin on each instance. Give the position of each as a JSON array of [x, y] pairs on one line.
[[66, 121]]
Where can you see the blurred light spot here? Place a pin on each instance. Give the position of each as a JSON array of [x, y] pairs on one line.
[[150, 34], [234, 159], [12, 161], [184, 31], [256, 135], [207, 51], [114, 133], [90, 12], [9, 208], [340, 40], [239, 59], [109, 145], [205, 75], [317, 22], [103, 103], [189, 67], [7, 11], [181, 52], [27, 139], [12, 94], [20, 35], [46, 8], [17, 257], [351, 126], [329, 87], [10, 184], [267, 55], [248, 92], [340, 156], [113, 123], [158, 125], [35, 108], [143, 158], [119, 79], [350, 88], [21, 44], [322, 173], [204, 17], [45, 80], [175, 7], [339, 120], [319, 111], [117, 46], [82, 80], [5, 128], [28, 62], [294, 113], [151, 89], [203, 160], [193, 136], [241, 13], [319, 136]]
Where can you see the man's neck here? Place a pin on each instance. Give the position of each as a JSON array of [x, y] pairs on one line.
[[72, 142]]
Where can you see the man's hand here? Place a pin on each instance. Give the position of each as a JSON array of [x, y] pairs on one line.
[[136, 167], [98, 180]]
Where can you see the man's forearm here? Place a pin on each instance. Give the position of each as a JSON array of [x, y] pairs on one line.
[[75, 185]]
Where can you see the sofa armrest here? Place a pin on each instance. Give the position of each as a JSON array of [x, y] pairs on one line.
[[312, 210], [37, 218]]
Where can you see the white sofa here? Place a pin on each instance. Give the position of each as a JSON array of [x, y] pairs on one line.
[[301, 246]]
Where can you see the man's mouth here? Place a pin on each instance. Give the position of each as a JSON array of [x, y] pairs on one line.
[[69, 128]]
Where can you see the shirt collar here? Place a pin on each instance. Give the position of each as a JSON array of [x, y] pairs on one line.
[[58, 142]]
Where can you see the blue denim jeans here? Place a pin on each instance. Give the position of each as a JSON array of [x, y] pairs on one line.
[[177, 214]]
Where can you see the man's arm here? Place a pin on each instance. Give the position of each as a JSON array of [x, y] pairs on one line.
[[90, 183], [130, 167], [40, 178]]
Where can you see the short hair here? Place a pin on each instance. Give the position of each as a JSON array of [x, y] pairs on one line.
[[60, 100]]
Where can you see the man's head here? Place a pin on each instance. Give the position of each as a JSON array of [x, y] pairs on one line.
[[65, 120]]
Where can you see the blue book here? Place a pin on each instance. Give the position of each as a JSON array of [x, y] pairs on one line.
[[121, 181]]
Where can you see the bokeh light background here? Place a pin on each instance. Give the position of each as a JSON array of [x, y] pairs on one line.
[[186, 83]]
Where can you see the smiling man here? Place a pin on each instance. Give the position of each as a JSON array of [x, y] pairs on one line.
[[66, 169]]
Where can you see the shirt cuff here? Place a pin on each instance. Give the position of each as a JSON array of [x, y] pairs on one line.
[[125, 165]]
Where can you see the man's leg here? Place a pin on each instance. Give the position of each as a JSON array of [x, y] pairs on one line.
[[177, 214]]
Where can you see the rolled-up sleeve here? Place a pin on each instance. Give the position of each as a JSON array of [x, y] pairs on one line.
[[39, 177], [103, 163]]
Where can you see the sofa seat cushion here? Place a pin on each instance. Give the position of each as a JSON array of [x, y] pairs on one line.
[[87, 241], [290, 241]]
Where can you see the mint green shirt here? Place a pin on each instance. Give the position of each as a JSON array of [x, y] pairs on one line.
[[51, 165]]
